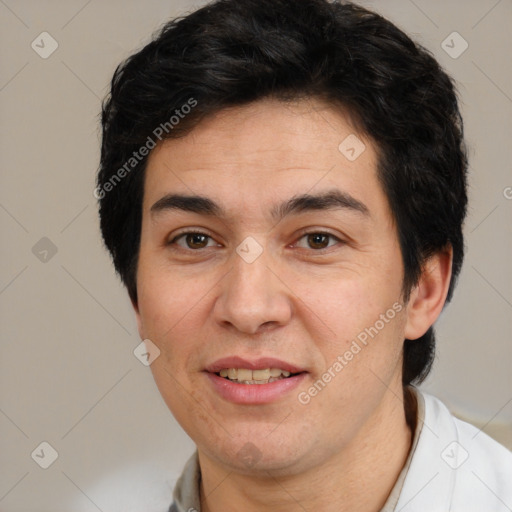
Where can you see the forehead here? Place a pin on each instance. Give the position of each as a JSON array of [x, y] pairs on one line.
[[263, 151]]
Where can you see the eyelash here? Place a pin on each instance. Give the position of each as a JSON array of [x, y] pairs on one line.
[[185, 233]]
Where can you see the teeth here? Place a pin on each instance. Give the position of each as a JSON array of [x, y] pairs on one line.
[[254, 376], [259, 375], [244, 374]]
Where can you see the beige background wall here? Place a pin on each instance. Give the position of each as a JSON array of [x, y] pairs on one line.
[[68, 375]]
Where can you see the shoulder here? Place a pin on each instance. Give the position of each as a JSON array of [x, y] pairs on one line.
[[455, 466]]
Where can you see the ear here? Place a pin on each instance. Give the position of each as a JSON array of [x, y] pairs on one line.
[[140, 327], [429, 295]]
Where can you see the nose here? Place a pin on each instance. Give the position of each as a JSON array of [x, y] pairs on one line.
[[253, 297]]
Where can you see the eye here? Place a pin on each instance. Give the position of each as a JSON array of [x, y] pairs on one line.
[[193, 239], [319, 240], [196, 240]]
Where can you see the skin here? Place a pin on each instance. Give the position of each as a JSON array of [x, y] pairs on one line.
[[297, 302]]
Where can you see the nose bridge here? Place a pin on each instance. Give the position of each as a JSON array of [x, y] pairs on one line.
[[251, 295]]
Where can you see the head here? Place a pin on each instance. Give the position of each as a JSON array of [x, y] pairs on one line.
[[327, 111]]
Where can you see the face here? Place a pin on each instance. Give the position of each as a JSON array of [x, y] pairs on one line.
[[294, 265]]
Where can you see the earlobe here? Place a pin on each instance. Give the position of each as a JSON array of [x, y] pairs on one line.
[[428, 297]]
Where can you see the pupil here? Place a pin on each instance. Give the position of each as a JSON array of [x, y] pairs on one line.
[[315, 240], [196, 239]]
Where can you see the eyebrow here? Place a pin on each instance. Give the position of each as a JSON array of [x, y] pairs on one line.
[[331, 200]]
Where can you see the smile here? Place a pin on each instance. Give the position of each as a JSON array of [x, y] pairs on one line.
[[247, 376]]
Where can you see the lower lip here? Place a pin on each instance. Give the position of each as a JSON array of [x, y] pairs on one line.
[[254, 394]]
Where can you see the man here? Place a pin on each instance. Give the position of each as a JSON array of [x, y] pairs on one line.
[[282, 189]]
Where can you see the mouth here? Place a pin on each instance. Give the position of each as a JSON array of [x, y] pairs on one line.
[[260, 381], [247, 376]]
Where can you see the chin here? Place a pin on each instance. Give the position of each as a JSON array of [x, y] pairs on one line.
[[258, 455]]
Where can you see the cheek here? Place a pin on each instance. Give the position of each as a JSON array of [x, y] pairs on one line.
[[359, 319], [166, 297], [346, 303], [186, 401]]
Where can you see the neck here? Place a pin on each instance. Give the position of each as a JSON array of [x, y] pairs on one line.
[[360, 477]]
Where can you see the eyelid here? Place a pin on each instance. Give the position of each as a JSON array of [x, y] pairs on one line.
[[316, 231]]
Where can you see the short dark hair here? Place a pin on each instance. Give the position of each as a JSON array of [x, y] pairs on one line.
[[234, 52]]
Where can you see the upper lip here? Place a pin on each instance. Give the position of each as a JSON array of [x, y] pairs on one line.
[[256, 364]]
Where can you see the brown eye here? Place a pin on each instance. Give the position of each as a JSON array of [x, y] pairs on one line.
[[196, 240], [193, 240], [318, 240]]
